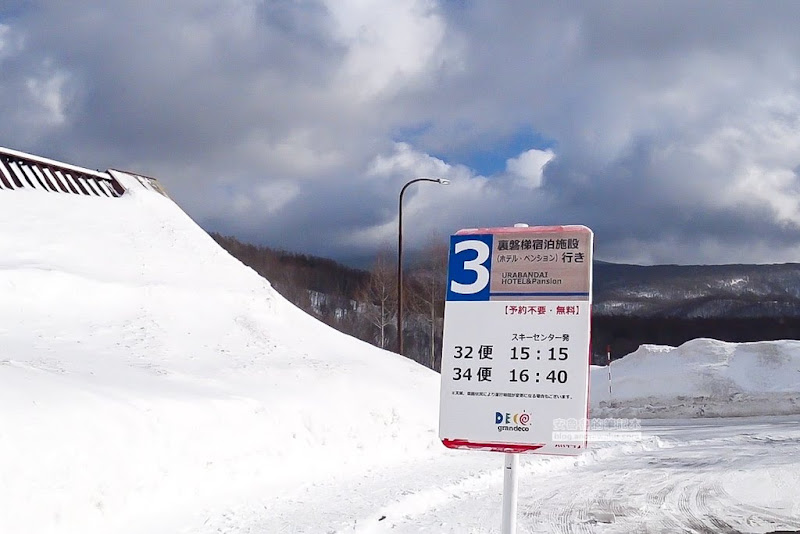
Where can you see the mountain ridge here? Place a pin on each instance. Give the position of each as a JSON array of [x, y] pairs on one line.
[[697, 291]]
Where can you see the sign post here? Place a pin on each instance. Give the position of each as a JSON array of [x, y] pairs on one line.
[[515, 349], [510, 487]]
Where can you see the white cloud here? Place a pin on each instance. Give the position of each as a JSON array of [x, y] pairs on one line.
[[758, 150], [430, 209], [47, 94], [298, 153], [389, 44], [529, 166], [11, 42], [408, 164], [4, 30], [266, 199]]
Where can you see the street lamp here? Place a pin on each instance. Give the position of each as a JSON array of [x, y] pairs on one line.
[[400, 257]]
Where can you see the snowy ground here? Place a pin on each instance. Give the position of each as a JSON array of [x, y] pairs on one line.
[[151, 383], [707, 476]]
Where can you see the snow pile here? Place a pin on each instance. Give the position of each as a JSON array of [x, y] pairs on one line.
[[701, 378], [146, 374]]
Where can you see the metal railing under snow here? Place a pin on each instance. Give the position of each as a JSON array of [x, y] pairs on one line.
[[25, 171]]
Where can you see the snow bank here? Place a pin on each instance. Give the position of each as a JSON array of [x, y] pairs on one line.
[[701, 378], [146, 374]]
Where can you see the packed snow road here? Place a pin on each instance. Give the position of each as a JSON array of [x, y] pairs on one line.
[[701, 476]]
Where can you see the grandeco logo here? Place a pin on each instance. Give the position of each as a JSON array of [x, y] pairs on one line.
[[513, 422]]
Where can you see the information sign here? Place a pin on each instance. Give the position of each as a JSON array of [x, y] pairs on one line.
[[515, 349]]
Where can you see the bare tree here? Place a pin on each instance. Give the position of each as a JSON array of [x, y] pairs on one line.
[[380, 298], [428, 293]]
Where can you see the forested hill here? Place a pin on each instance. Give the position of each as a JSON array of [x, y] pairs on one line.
[[673, 291], [292, 273], [697, 291], [633, 304]]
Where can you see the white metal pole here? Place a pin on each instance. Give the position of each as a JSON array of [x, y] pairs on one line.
[[510, 486], [608, 359]]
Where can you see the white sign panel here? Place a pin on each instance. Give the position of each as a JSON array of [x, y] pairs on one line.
[[515, 353]]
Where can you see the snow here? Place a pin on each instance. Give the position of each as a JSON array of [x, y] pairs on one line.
[[149, 382], [143, 368]]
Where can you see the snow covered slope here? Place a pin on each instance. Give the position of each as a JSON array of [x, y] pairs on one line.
[[701, 378], [144, 373]]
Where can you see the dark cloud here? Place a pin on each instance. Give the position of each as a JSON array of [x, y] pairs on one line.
[[674, 125]]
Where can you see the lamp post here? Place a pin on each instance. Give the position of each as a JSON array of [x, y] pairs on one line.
[[400, 257]]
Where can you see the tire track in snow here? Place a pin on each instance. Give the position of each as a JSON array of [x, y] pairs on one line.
[[418, 503], [470, 492], [703, 498], [775, 519], [682, 494], [569, 518], [694, 509]]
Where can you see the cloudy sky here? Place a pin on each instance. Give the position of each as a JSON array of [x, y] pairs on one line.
[[671, 128]]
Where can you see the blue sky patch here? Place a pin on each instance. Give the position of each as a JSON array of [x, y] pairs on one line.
[[491, 159]]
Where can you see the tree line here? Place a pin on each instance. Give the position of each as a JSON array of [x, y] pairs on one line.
[[361, 303]]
